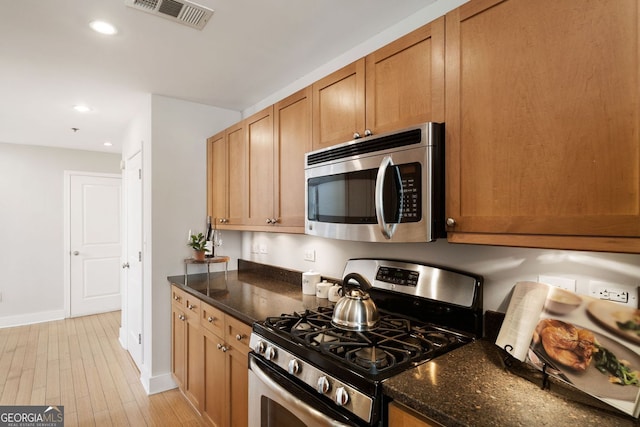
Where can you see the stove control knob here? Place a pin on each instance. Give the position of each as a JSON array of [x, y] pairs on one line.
[[260, 347], [342, 396], [323, 385], [271, 353], [294, 367]]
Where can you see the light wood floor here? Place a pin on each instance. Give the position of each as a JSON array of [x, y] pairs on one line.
[[79, 363]]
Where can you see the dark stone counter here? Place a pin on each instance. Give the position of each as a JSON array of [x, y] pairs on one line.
[[252, 293], [471, 387]]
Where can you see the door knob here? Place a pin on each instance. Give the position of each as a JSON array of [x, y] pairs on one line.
[[76, 253]]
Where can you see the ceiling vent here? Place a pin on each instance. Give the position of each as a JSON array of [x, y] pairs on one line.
[[182, 11]]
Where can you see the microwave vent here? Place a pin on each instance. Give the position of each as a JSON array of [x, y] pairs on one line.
[[365, 146], [183, 12]]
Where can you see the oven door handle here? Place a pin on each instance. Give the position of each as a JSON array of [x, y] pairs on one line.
[[387, 229], [299, 405]]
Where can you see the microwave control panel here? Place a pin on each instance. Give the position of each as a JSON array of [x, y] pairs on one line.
[[411, 189]]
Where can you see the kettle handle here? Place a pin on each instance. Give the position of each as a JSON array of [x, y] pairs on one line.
[[362, 282]]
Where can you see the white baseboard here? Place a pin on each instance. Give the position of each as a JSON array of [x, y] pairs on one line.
[[28, 319], [157, 384]]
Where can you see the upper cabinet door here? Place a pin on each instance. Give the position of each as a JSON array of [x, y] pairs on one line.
[[260, 168], [542, 124], [237, 183], [405, 80], [292, 137], [338, 106], [217, 177]]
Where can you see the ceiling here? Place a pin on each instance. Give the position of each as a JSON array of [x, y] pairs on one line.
[[50, 60]]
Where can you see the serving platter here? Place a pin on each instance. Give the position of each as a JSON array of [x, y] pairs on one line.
[[608, 315]]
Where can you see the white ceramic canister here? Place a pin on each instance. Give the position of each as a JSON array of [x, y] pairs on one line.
[[335, 293], [309, 281], [322, 289]]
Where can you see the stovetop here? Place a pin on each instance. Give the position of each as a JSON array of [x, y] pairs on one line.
[[396, 344], [425, 311]]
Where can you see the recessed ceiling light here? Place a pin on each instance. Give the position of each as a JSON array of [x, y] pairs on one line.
[[103, 27], [81, 108], [107, 144]]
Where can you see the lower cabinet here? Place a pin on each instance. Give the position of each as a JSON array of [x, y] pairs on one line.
[[210, 361], [187, 345], [401, 416]]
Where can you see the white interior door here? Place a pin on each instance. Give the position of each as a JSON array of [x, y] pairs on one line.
[[95, 243], [133, 263]]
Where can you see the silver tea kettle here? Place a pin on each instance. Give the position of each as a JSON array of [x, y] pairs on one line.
[[355, 311]]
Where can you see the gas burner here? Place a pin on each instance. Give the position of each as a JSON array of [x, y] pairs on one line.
[[371, 357]]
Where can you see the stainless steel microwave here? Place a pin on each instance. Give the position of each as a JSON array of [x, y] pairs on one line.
[[383, 188]]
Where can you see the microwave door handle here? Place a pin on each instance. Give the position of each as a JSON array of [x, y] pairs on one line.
[[387, 229]]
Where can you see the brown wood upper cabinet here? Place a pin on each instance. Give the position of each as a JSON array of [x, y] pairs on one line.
[[399, 85], [278, 137], [260, 146], [542, 124], [227, 176], [292, 137]]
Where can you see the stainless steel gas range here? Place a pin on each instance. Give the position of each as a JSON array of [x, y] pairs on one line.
[[308, 369]]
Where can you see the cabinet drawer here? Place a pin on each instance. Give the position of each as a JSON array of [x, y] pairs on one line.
[[192, 306], [178, 296], [212, 319], [238, 334]]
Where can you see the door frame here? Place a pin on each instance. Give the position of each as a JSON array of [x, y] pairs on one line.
[[67, 230], [124, 317]]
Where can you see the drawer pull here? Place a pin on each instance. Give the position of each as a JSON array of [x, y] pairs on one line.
[[191, 306], [240, 337], [210, 319]]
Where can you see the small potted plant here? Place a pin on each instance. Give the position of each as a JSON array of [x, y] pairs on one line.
[[197, 243]]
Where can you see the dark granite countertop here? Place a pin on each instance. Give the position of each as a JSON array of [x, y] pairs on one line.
[[251, 294], [471, 387]]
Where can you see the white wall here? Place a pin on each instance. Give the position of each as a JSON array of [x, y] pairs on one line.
[[172, 135], [501, 267], [31, 227]]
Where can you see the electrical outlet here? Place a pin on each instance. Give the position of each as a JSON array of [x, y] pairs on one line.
[[559, 282], [310, 255], [263, 248], [627, 295]]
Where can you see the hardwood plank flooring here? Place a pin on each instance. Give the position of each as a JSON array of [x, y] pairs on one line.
[[79, 363]]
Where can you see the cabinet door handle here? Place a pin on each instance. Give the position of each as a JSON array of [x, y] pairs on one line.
[[356, 135], [210, 319], [176, 297], [367, 132], [451, 222], [240, 337], [222, 348], [181, 317], [191, 306]]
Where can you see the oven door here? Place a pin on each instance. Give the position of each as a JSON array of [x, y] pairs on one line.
[[277, 401]]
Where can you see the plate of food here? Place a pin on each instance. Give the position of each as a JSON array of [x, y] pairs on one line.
[[619, 319], [590, 361]]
